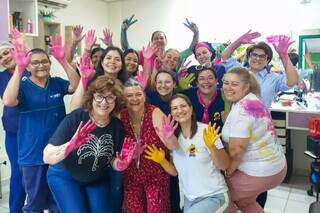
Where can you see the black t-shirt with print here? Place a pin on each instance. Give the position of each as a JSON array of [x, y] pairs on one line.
[[90, 161]]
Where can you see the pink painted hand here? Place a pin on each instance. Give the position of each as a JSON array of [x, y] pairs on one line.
[[86, 69], [139, 149], [90, 40], [149, 51], [167, 129], [107, 37], [127, 152], [248, 37], [16, 36], [142, 79], [77, 34], [21, 56], [283, 46], [80, 137], [56, 49]]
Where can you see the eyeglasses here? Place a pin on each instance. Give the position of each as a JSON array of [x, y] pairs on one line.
[[99, 98], [258, 57], [203, 66], [37, 63]]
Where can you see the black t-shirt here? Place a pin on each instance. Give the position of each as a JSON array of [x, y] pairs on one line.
[[90, 161]]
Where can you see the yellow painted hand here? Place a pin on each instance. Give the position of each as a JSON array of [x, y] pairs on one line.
[[155, 154], [210, 135]]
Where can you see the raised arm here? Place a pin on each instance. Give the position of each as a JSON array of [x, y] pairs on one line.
[[124, 28], [22, 58], [282, 50], [76, 39], [195, 39], [59, 52], [107, 37], [244, 39], [87, 71]]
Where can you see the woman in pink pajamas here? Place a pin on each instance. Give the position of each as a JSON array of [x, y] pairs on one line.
[[146, 184]]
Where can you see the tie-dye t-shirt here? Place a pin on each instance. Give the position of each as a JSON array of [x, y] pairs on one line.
[[249, 118]]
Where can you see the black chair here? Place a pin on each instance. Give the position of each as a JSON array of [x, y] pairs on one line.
[[313, 151]]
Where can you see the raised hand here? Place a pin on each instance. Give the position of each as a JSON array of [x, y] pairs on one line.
[[149, 51], [128, 22], [127, 152], [210, 135], [16, 36], [183, 68], [248, 37], [142, 78], [56, 49], [89, 40], [168, 127], [155, 154], [283, 46], [107, 37], [139, 149], [21, 56], [192, 26], [186, 81], [86, 69], [77, 34], [80, 137]]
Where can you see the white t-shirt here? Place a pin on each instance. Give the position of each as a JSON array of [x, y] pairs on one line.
[[249, 118], [197, 173]]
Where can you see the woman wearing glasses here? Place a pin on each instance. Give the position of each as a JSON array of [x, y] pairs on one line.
[[259, 56], [40, 101], [205, 55], [83, 151]]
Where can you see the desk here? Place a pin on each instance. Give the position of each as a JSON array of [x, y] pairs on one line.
[[285, 120]]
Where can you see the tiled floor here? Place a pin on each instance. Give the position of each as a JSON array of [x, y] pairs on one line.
[[288, 198]]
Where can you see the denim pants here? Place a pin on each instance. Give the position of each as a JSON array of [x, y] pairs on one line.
[[17, 194], [103, 196], [216, 203]]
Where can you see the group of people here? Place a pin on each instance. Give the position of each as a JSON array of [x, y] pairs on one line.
[[145, 129]]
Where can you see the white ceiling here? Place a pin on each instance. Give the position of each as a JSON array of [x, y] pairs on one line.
[[313, 44]]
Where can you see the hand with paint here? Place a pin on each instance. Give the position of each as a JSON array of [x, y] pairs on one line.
[[283, 46], [21, 56], [210, 135], [155, 154], [123, 160], [192, 26], [248, 37], [139, 149], [167, 129], [149, 51], [186, 81], [89, 40], [77, 34], [142, 79], [80, 137], [107, 37], [56, 49], [128, 22], [86, 69], [16, 36]]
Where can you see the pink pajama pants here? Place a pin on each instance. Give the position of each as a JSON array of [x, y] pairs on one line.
[[244, 190]]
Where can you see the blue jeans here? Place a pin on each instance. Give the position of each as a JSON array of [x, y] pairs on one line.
[[36, 186], [17, 195], [215, 203], [97, 197]]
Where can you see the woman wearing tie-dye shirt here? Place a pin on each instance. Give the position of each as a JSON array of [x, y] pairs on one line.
[[258, 163]]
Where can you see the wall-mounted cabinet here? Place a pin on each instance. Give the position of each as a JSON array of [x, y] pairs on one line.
[[21, 14]]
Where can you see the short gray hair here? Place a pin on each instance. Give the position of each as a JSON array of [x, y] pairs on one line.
[[131, 82]]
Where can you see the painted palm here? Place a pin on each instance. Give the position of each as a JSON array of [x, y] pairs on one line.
[[96, 147]]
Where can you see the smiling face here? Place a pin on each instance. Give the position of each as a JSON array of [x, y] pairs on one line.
[[39, 66], [164, 84], [96, 58], [134, 98], [181, 111], [112, 63], [103, 103], [203, 55], [206, 82], [257, 60], [131, 61], [234, 88], [159, 39], [171, 59], [6, 59]]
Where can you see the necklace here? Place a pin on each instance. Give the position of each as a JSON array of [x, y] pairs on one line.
[[134, 129], [99, 124]]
